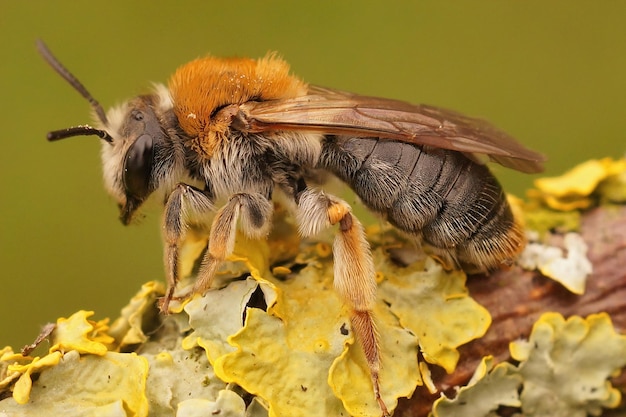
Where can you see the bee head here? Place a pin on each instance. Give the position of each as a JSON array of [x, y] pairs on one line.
[[138, 130], [132, 135]]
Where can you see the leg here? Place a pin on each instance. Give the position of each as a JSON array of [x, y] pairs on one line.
[[186, 204], [183, 205], [255, 211], [354, 274]]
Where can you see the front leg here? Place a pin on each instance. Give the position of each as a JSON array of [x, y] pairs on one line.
[[354, 273], [184, 204]]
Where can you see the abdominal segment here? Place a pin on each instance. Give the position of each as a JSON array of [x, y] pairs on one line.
[[454, 205]]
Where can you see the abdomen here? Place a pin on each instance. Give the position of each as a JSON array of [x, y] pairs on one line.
[[454, 205]]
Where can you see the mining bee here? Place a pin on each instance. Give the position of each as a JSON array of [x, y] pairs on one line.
[[226, 135]]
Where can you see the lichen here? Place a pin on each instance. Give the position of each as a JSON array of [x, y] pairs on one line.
[[285, 340], [574, 190], [556, 203], [491, 386], [566, 365], [112, 384], [569, 265], [563, 370], [555, 207], [273, 338], [435, 306]]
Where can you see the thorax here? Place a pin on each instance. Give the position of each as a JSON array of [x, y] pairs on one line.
[[255, 163]]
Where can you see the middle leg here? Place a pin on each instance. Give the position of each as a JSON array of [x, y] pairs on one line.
[[254, 210]]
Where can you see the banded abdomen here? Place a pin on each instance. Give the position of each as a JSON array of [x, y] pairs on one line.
[[454, 205]]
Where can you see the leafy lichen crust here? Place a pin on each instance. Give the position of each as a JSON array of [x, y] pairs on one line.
[[284, 341]]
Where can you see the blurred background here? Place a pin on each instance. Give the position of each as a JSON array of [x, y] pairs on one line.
[[553, 74]]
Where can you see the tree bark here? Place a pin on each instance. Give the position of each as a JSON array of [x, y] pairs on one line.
[[517, 298]]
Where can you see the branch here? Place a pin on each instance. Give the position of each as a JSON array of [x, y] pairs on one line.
[[516, 298]]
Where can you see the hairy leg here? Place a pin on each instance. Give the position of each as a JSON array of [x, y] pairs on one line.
[[187, 204], [354, 274], [255, 212], [184, 204]]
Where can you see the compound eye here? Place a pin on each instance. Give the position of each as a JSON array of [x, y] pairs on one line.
[[138, 167]]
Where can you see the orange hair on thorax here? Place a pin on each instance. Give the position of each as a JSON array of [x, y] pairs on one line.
[[205, 85]]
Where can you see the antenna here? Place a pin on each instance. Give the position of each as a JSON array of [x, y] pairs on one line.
[[83, 130], [78, 86]]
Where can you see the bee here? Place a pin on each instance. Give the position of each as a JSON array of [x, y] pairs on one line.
[[226, 135]]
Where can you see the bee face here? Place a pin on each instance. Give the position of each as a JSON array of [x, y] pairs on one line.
[[141, 155]]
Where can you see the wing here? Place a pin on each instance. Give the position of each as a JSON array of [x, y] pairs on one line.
[[331, 111]]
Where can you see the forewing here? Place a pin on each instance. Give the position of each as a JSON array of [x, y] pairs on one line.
[[336, 112]]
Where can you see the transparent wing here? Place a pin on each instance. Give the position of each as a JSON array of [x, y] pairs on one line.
[[336, 112]]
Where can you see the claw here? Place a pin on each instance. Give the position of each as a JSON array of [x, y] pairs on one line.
[[164, 302]]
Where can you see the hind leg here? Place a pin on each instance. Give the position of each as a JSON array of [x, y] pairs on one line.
[[354, 274]]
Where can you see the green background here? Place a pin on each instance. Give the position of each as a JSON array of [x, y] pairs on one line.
[[552, 73]]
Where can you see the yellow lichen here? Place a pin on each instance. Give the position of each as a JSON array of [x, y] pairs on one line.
[[568, 266], [22, 388], [298, 376], [544, 220], [573, 190], [128, 328], [566, 363], [111, 385], [491, 386], [427, 378], [304, 337], [436, 307], [281, 271], [285, 337], [299, 337], [218, 315], [82, 335], [294, 352], [177, 376], [227, 404], [563, 371], [75, 333], [8, 358], [399, 375]]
